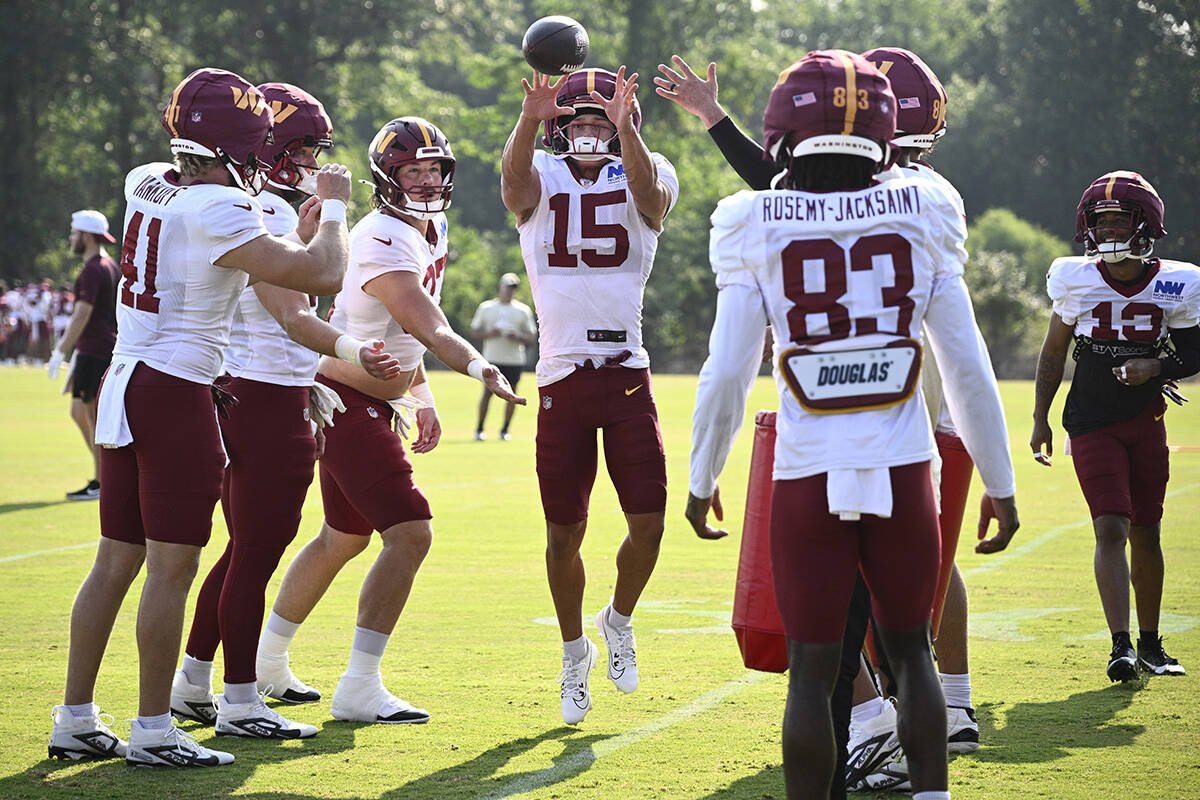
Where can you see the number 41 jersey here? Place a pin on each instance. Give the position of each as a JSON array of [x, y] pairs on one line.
[[588, 253], [175, 307], [843, 271]]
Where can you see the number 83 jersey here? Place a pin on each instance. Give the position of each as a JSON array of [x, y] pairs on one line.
[[588, 253], [840, 272]]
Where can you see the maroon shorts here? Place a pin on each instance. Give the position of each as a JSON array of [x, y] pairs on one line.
[[165, 484], [272, 452], [366, 477], [815, 556], [619, 401], [1123, 468]]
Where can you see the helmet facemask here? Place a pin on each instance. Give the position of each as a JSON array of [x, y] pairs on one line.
[[1113, 238], [423, 202], [294, 170], [590, 140]]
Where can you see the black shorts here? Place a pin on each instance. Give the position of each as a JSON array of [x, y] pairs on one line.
[[86, 376], [511, 373]]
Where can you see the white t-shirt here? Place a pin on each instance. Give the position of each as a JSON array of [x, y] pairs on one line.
[[259, 348], [588, 253], [511, 317], [379, 244], [175, 313], [843, 271]]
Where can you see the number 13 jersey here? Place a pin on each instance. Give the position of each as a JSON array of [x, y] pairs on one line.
[[841, 271], [588, 253]]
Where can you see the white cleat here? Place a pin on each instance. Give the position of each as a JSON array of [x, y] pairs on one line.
[[622, 656], [871, 745], [962, 730], [892, 775], [170, 747], [365, 700], [573, 682], [191, 702], [276, 680], [78, 738], [257, 721]]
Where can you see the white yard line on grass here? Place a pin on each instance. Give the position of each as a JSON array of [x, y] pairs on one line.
[[606, 747], [1029, 545], [19, 556]]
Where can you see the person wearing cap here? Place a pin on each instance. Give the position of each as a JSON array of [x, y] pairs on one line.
[[91, 332], [504, 326]]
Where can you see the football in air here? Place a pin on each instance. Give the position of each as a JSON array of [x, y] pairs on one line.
[[555, 45]]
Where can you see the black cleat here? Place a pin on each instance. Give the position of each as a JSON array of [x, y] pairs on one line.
[[1154, 659], [1122, 664]]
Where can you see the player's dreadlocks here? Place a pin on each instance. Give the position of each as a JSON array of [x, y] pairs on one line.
[[830, 172]]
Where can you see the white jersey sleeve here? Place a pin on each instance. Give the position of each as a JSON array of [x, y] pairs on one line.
[[231, 223], [1065, 283], [726, 241]]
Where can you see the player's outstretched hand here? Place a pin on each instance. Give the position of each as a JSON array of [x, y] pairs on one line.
[[621, 108], [495, 380], [429, 430], [310, 218], [1042, 435], [377, 363], [541, 98], [697, 514], [333, 183], [689, 91], [1004, 511]]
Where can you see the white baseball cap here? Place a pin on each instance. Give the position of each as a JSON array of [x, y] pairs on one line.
[[90, 221], [510, 279]]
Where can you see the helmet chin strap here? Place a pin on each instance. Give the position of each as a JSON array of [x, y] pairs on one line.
[[1114, 252]]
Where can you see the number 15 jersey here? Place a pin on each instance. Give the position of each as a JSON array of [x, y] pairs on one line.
[[588, 253], [841, 271]]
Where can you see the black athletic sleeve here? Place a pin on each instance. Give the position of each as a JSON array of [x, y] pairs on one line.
[[743, 154], [1183, 360]]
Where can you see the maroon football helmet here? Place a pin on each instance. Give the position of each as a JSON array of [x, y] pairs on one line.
[[1126, 192], [830, 101], [218, 114], [300, 121], [403, 141], [576, 92], [920, 96]]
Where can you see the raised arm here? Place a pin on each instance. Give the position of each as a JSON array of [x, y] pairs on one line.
[[650, 195], [317, 268], [520, 184]]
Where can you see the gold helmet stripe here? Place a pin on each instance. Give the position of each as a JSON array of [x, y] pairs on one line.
[[172, 111], [851, 90], [425, 133]]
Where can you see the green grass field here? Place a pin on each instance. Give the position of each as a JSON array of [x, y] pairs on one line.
[[474, 646]]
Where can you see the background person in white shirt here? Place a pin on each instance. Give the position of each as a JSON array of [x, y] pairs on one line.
[[504, 326]]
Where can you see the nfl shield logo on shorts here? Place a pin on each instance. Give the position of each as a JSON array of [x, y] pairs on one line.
[[547, 401], [307, 415], [372, 413]]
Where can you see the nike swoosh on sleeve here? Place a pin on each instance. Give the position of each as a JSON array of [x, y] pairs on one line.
[[387, 241]]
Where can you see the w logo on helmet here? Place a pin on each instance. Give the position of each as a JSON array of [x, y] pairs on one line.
[[249, 99]]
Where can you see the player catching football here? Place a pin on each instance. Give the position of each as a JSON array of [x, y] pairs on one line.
[[848, 271], [589, 214], [1120, 306]]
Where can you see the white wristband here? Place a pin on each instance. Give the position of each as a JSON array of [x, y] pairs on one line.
[[333, 211], [423, 393], [476, 367], [347, 349]]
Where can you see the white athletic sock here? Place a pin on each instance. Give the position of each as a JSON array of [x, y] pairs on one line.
[[931, 796], [240, 693], [156, 722], [866, 711], [277, 636], [366, 653], [82, 710], [576, 650], [199, 673], [957, 689], [618, 620]]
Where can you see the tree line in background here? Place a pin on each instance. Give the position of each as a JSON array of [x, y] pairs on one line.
[[1044, 95]]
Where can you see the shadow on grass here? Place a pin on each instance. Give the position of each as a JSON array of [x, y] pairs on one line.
[[8, 508], [765, 785], [1039, 732], [475, 777]]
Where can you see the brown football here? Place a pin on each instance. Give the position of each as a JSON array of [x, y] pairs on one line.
[[555, 45]]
